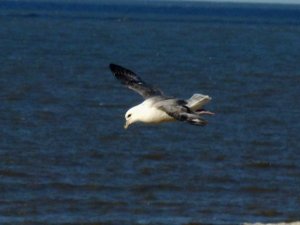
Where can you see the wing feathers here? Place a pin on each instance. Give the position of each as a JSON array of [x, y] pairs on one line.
[[181, 112], [133, 82]]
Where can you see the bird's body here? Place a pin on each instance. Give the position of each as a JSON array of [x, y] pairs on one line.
[[149, 114], [158, 108]]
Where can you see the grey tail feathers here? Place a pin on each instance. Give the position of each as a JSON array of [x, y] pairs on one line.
[[197, 101]]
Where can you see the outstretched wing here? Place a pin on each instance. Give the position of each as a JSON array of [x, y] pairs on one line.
[[179, 111], [132, 81]]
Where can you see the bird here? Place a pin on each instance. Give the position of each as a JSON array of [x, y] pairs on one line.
[[157, 107]]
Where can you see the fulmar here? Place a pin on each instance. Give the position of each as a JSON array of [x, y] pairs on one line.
[[157, 107]]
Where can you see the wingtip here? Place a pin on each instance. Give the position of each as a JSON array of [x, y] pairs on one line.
[[112, 66], [117, 68]]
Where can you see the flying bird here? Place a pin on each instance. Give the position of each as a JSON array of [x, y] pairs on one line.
[[157, 107]]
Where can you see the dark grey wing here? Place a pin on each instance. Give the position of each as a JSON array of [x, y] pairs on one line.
[[179, 111], [132, 81]]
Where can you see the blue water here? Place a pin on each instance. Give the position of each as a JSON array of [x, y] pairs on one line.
[[65, 157]]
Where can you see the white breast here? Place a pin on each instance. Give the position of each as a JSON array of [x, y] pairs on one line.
[[149, 114]]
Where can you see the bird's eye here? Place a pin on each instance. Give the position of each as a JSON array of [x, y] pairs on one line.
[[129, 115]]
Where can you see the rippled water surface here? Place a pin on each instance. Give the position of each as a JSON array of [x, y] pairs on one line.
[[65, 157]]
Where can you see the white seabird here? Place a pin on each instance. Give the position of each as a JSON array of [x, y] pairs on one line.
[[158, 108]]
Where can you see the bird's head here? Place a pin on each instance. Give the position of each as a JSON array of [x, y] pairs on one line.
[[131, 116]]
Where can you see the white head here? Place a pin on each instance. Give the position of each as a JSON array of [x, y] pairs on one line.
[[131, 116]]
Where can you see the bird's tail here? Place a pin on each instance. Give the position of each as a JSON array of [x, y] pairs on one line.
[[197, 101]]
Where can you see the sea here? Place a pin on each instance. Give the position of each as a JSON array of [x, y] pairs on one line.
[[65, 158]]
